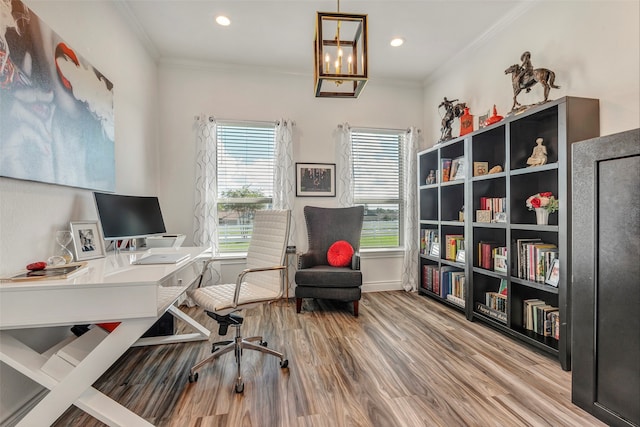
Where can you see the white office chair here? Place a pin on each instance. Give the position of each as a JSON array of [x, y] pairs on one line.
[[260, 283]]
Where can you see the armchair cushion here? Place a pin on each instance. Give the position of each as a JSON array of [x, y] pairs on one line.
[[340, 253], [326, 276]]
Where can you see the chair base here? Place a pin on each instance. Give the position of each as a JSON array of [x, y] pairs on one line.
[[356, 305], [237, 345]]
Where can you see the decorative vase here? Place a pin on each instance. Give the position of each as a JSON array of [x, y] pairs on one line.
[[542, 216], [495, 118], [466, 122]]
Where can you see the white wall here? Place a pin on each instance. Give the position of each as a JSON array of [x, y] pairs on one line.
[[592, 46], [248, 94], [31, 212]]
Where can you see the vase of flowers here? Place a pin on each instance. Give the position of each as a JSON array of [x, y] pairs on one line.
[[543, 204]]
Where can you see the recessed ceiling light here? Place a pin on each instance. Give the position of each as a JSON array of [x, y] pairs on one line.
[[223, 20], [398, 41]]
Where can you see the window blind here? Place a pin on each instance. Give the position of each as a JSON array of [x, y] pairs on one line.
[[245, 157], [377, 176]]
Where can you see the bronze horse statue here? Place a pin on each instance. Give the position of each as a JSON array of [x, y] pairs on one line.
[[539, 75]]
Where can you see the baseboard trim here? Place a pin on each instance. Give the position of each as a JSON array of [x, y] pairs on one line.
[[381, 286]]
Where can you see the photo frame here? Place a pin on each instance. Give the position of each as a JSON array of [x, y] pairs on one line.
[[87, 240], [553, 275], [500, 217], [315, 179]]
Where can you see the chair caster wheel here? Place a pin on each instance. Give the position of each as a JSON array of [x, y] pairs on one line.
[[284, 363], [239, 388], [193, 378], [263, 343]]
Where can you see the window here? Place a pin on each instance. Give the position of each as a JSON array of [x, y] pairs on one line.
[[377, 173], [245, 180]]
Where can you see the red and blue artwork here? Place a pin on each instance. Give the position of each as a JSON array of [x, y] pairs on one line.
[[56, 110]]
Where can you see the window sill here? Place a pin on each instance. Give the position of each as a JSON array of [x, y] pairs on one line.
[[381, 253]]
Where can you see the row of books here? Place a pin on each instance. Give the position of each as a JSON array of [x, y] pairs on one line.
[[452, 169], [534, 259], [541, 318], [495, 303], [492, 257], [446, 282], [453, 244], [493, 204], [428, 238]]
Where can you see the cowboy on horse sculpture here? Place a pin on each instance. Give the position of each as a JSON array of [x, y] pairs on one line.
[[451, 111], [524, 76]]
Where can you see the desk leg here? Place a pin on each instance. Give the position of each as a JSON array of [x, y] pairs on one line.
[[80, 379], [201, 334]]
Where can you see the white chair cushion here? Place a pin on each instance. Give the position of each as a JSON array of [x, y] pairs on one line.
[[219, 298]]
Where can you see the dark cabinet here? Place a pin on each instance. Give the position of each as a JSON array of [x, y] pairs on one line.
[[606, 277]]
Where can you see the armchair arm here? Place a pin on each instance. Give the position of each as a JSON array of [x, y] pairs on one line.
[[239, 280], [308, 259], [355, 261]]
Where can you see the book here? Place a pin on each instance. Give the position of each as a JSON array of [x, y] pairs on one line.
[[445, 168], [453, 242], [460, 169], [520, 252], [65, 271]]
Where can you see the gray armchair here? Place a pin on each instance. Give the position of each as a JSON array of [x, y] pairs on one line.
[[315, 278]]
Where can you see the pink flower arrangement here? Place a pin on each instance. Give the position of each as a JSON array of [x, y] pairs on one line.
[[545, 200]]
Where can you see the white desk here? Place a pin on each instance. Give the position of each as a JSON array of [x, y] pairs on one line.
[[110, 290]]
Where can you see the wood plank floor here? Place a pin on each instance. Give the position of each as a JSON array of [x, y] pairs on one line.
[[405, 361]]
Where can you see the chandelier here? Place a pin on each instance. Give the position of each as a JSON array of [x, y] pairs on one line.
[[340, 58]]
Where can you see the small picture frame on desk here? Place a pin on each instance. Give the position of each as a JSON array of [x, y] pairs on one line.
[[87, 240]]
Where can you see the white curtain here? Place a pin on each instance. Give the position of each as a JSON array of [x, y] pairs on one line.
[[284, 185], [344, 166], [410, 270], [205, 209]]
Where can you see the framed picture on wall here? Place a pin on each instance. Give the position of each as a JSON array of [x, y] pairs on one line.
[[315, 179], [87, 241]]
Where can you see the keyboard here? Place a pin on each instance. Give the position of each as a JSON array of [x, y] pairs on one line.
[[161, 259]]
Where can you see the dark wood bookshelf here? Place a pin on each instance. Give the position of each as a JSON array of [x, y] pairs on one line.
[[509, 143]]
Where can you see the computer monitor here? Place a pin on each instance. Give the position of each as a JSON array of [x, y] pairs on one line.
[[128, 217]]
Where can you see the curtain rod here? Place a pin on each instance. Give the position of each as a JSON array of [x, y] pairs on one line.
[[340, 126], [213, 119]]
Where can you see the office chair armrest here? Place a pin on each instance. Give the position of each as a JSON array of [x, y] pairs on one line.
[[240, 279], [355, 261]]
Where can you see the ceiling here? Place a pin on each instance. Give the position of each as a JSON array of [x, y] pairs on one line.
[[278, 34]]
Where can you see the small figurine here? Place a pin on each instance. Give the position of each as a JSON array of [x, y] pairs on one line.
[[451, 112], [524, 76], [495, 169], [539, 155], [431, 179]]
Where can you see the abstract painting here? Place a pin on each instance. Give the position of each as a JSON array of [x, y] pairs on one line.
[[56, 110]]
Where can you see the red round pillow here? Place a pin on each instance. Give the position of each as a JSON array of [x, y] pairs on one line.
[[340, 254]]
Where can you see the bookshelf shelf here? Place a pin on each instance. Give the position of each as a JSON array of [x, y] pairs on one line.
[[508, 144]]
